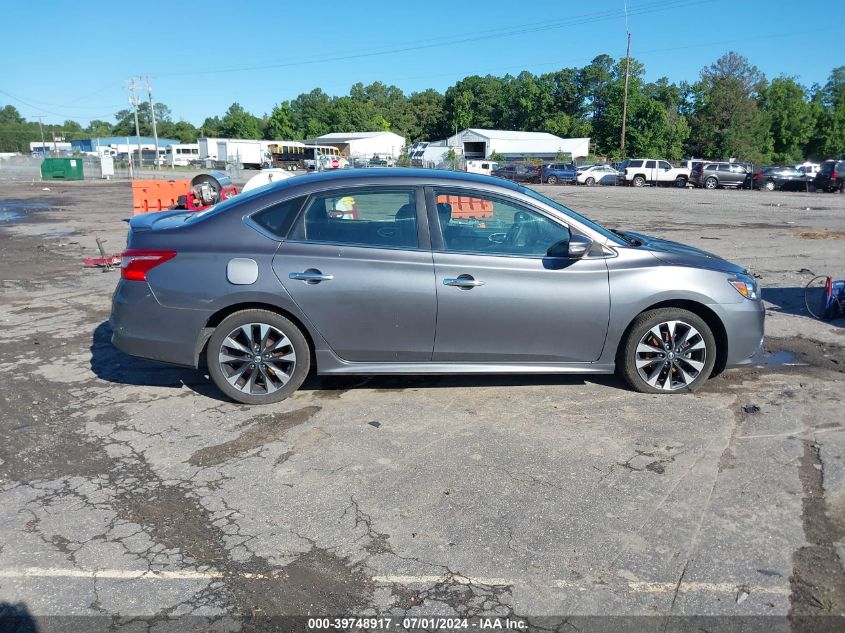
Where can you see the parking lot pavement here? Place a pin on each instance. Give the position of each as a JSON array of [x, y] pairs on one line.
[[133, 490]]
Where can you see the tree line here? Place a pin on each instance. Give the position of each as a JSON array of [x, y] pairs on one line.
[[731, 111]]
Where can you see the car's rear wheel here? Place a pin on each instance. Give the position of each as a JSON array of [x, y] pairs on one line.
[[590, 181], [551, 180], [711, 183], [667, 350], [769, 185], [638, 181], [257, 357]]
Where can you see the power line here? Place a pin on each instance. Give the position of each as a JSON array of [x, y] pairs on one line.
[[533, 27]]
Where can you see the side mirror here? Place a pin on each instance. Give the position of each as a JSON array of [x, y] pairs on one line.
[[579, 246]]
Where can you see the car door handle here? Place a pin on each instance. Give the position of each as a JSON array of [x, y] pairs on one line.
[[464, 281], [312, 276]]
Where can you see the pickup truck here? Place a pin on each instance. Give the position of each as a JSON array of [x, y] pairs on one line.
[[641, 171]]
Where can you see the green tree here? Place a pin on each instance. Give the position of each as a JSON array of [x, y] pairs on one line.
[[828, 106], [426, 109], [728, 122], [238, 123], [280, 124], [791, 117], [9, 115]]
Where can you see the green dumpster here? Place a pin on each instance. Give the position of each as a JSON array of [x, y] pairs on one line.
[[62, 168]]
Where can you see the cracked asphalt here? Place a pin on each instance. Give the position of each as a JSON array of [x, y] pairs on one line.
[[133, 494]]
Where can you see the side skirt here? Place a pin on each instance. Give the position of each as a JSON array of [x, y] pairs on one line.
[[328, 364]]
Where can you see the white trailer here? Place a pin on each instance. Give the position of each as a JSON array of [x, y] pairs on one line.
[[250, 153]]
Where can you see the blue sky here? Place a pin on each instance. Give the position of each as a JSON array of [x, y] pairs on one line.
[[71, 59]]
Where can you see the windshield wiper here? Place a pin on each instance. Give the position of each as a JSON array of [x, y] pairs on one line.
[[627, 239]]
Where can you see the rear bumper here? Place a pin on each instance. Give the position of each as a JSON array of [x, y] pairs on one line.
[[745, 329], [142, 327]]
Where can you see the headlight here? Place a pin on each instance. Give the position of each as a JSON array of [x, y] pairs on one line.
[[746, 286]]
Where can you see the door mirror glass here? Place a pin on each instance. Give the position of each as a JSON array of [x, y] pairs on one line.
[[579, 246]]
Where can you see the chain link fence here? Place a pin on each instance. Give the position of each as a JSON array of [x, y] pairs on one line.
[[28, 169]]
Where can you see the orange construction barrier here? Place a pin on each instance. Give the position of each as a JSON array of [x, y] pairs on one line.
[[157, 195], [466, 207]]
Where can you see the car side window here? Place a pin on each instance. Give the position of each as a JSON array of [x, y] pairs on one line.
[[379, 218], [635, 163], [278, 218], [482, 224], [724, 167], [665, 165], [710, 168], [650, 164]]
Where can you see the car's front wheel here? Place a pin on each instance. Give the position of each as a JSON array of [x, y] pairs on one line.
[[711, 183], [667, 350], [257, 357], [638, 181], [551, 180], [590, 181]]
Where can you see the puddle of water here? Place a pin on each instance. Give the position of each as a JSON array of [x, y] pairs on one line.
[[777, 359], [9, 216], [11, 210]]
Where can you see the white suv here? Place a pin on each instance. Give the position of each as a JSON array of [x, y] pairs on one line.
[[640, 171]]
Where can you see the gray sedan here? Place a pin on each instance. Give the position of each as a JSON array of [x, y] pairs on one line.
[[403, 271]]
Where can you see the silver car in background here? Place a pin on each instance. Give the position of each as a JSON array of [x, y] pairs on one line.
[[404, 271]]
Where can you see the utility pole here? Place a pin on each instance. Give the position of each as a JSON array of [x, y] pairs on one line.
[[133, 99], [55, 147], [146, 79], [41, 127], [625, 98]]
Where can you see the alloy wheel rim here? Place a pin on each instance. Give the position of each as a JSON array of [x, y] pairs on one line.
[[257, 359], [671, 355]]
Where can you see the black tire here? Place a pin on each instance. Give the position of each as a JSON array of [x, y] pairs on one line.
[[769, 185], [297, 343], [551, 180], [681, 182], [590, 181], [711, 183], [626, 361], [638, 181]]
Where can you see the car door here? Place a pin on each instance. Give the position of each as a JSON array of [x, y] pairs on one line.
[[358, 265], [664, 172], [500, 297]]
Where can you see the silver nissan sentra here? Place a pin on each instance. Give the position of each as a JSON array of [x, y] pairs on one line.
[[405, 271]]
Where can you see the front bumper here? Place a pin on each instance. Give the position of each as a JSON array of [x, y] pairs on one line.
[[745, 329], [142, 327]]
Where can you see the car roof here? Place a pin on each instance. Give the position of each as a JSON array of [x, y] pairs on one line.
[[369, 176]]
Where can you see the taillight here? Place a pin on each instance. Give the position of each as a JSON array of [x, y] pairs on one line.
[[758, 176], [835, 175], [136, 262]]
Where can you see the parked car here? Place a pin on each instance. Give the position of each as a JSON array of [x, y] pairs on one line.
[[336, 270], [716, 175], [555, 173], [517, 172], [596, 174], [831, 176], [782, 178], [808, 168], [642, 171]]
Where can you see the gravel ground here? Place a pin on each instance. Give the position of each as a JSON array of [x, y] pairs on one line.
[[133, 496]]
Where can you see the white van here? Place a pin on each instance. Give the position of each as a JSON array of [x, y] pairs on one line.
[[181, 155], [481, 166]]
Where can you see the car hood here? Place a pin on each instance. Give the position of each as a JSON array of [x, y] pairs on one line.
[[679, 254]]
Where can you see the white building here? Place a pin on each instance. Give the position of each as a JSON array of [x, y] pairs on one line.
[[478, 143], [363, 144]]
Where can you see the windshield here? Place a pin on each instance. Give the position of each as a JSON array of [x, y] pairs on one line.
[[580, 218]]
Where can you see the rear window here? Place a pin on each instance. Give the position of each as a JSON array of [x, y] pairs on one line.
[[278, 218], [635, 163]]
